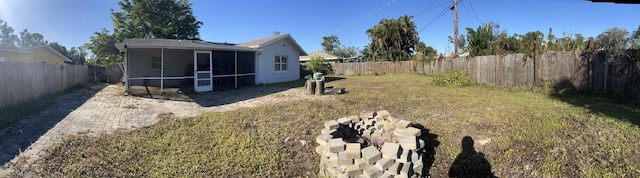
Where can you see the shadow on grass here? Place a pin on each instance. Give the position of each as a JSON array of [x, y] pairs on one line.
[[429, 149], [601, 105], [34, 118], [596, 104], [470, 163], [217, 98]]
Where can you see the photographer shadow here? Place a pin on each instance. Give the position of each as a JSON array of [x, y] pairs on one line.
[[470, 163]]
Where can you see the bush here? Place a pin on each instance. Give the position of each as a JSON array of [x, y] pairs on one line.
[[454, 78], [318, 64]]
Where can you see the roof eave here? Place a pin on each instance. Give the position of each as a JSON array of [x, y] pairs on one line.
[[121, 47]]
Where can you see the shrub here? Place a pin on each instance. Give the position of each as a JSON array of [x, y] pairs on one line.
[[318, 64], [454, 78]]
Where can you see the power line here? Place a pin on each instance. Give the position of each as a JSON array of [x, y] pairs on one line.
[[355, 40], [444, 11], [425, 11], [466, 12], [415, 15], [362, 18], [474, 12]]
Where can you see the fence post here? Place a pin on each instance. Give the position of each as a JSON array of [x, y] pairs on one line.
[[497, 74], [606, 71]]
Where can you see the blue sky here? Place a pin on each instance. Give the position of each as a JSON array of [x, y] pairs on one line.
[[72, 22]]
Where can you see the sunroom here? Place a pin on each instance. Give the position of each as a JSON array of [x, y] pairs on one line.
[[204, 66]]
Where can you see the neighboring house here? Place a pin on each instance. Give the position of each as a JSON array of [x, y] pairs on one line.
[[38, 54], [14, 55], [327, 57], [208, 65], [46, 54]]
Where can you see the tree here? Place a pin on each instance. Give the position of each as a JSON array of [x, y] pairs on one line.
[[60, 48], [393, 39], [368, 53], [318, 64], [28, 39], [635, 39], [102, 46], [613, 38], [346, 51], [550, 43], [330, 43], [171, 19], [7, 38], [462, 43], [531, 43], [482, 41], [507, 44], [78, 55], [424, 53]]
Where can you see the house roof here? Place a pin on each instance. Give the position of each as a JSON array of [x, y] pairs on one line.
[[14, 50], [173, 43], [322, 54], [259, 43], [47, 47]]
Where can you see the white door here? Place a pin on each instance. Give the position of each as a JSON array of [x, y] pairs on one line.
[[202, 71]]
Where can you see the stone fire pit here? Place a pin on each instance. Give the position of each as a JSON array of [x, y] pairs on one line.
[[373, 144]]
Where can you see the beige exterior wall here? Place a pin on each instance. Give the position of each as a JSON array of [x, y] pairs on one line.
[[42, 55], [38, 55], [14, 57]]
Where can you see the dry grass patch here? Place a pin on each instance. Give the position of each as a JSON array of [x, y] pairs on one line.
[[521, 134]]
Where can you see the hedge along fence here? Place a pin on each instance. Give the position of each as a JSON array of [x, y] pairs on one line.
[[20, 82], [598, 71]]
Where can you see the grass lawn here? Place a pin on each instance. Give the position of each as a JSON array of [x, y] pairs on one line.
[[521, 133]]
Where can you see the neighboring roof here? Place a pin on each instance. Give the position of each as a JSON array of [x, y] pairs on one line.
[[47, 47], [14, 50], [322, 54], [259, 43], [173, 43]]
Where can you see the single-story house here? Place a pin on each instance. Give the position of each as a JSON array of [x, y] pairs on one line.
[[208, 65], [37, 54], [327, 57]]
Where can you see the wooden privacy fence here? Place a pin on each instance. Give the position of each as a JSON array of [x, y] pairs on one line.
[[109, 74], [373, 68], [597, 71], [21, 81]]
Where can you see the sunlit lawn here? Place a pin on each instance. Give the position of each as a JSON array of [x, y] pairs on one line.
[[521, 133]]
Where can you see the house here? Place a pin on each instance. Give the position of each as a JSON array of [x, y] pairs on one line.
[[208, 65], [37, 54], [14, 55], [327, 57]]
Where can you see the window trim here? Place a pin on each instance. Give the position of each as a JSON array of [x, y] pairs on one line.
[[285, 63], [159, 62]]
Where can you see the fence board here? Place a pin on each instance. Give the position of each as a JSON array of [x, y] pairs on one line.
[[560, 69], [26, 81]]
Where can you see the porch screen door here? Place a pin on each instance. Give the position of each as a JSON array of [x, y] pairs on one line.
[[202, 71]]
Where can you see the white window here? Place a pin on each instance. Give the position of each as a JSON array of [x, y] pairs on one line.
[[3, 58], [156, 63], [281, 63]]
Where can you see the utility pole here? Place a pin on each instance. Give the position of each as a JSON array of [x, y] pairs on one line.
[[455, 28]]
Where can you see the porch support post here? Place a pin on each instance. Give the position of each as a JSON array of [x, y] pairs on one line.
[[161, 70], [236, 75], [126, 70]]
